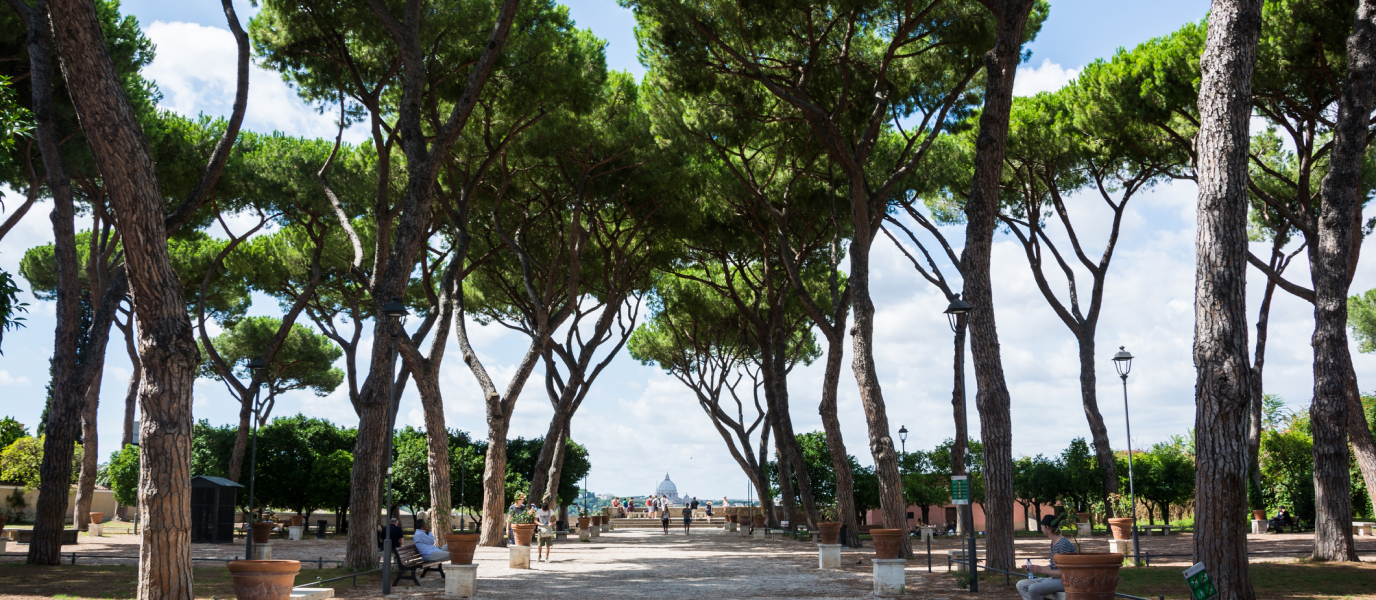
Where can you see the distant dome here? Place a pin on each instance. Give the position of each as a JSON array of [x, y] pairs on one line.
[[667, 488]]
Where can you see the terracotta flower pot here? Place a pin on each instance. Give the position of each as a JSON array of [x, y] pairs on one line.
[[97, 518], [1122, 528], [1259, 515], [730, 518], [1082, 517], [887, 542], [759, 521], [831, 532], [584, 522], [296, 520], [263, 579], [524, 531], [461, 547], [1090, 576], [262, 531]]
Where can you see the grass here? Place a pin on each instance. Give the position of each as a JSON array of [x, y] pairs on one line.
[[119, 582]]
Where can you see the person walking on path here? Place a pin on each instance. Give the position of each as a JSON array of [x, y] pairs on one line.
[[664, 514], [544, 523], [425, 544], [1034, 589], [687, 520]]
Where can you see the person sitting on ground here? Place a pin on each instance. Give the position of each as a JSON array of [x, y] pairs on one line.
[[544, 523], [425, 544], [393, 532], [1035, 589], [687, 520]]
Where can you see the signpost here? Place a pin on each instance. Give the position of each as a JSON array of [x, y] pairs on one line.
[[960, 489], [1201, 587], [960, 495]]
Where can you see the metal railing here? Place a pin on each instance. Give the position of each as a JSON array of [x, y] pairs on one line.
[[1007, 577], [353, 576]]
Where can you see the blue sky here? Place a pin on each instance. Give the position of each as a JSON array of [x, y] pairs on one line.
[[639, 423]]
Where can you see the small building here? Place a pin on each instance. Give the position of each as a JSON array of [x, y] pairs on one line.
[[212, 509]]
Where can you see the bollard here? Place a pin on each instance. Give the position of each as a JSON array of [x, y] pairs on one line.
[[888, 576], [828, 556], [461, 580]]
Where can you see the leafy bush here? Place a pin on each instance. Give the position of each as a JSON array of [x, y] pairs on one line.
[[21, 461], [124, 475]]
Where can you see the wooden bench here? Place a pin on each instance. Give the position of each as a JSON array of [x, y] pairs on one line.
[[409, 560], [1164, 529]]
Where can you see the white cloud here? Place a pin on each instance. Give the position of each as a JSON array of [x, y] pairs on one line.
[[195, 70], [7, 379], [1048, 77]]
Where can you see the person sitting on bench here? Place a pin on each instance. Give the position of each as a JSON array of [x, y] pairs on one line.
[[425, 544], [1034, 589], [1281, 520]]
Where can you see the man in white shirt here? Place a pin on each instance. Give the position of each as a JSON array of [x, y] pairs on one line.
[[544, 528], [425, 544]]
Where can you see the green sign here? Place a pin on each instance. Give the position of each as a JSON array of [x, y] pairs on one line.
[[1201, 587], [960, 489]]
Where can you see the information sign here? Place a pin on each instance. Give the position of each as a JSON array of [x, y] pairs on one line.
[[960, 489]]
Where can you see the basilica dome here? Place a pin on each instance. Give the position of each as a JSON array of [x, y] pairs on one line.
[[667, 489]]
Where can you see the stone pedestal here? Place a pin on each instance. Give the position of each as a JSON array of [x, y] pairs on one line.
[[828, 556], [605, 527], [1123, 547], [561, 536], [95, 529], [520, 557], [1258, 526], [759, 533], [596, 531], [1033, 525], [462, 580], [262, 552], [927, 532], [731, 526], [584, 535], [1084, 529], [3, 541], [888, 576], [294, 532], [743, 530], [311, 593]]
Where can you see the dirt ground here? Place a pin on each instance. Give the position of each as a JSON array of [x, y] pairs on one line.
[[627, 563]]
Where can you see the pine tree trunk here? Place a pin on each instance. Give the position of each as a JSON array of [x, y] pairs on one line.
[[365, 500], [786, 439], [545, 463], [437, 445], [90, 454], [1331, 261], [784, 469], [236, 456], [1223, 379], [55, 471], [1258, 390], [494, 485], [1103, 453], [1359, 434], [836, 446], [991, 396], [556, 470], [891, 504]]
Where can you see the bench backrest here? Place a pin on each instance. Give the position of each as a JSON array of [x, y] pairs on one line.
[[408, 556]]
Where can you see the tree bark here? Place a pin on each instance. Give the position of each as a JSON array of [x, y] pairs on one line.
[[991, 396], [90, 455], [167, 348], [1223, 378], [891, 504], [1331, 262], [1359, 433], [836, 446], [1103, 453], [1258, 390], [55, 471], [236, 456]]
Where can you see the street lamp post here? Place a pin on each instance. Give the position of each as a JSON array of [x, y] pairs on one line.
[[956, 315], [395, 314], [1122, 362], [903, 437], [257, 367]]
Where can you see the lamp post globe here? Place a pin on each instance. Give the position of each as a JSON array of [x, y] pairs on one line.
[[1122, 362], [903, 437]]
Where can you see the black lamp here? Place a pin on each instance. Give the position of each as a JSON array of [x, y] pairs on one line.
[[1122, 361], [957, 308]]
